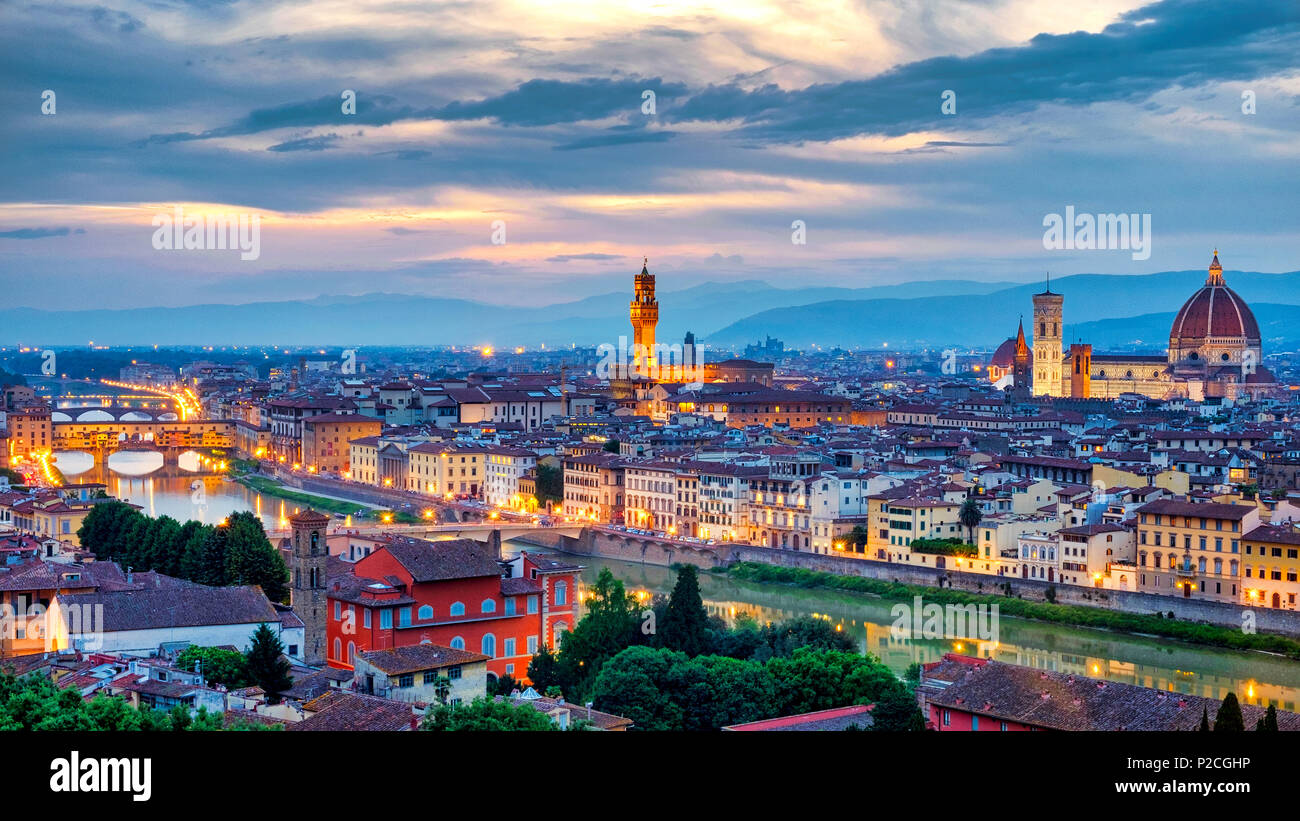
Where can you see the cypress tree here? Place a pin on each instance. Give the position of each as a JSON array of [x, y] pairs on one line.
[[267, 665], [1229, 718], [686, 624], [1270, 719], [1205, 721]]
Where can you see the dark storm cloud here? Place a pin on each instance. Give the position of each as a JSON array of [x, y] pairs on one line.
[[1174, 43]]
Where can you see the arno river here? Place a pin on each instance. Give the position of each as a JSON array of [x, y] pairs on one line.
[[1151, 662]]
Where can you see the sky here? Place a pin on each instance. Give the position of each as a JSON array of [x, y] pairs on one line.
[[506, 151]]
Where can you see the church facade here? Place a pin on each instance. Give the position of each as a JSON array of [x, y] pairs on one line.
[[1214, 351]]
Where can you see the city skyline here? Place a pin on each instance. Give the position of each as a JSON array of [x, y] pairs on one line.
[[540, 121]]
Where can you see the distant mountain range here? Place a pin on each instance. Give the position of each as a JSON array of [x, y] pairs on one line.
[[1110, 311]]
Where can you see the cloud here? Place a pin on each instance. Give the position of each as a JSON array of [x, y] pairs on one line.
[[606, 140], [320, 143], [40, 233], [572, 257]]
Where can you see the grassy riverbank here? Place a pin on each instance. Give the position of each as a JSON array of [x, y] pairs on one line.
[[270, 487], [1068, 614]]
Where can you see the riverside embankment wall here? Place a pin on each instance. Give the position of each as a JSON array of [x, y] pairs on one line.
[[665, 553]]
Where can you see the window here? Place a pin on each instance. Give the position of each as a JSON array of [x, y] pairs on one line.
[[430, 676], [338, 648], [365, 616], [509, 646], [510, 606], [404, 617], [561, 593], [457, 643], [532, 604], [406, 680], [457, 608], [947, 718], [488, 646], [352, 652], [453, 673], [532, 645], [338, 610], [425, 613], [488, 606], [385, 619]]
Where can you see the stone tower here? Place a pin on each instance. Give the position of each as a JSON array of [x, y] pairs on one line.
[[1048, 354], [1080, 362], [644, 313], [307, 590], [1023, 363]]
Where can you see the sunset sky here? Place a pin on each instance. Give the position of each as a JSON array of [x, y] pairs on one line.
[[531, 113]]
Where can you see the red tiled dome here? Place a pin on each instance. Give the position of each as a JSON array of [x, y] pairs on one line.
[[1213, 311], [1005, 356]]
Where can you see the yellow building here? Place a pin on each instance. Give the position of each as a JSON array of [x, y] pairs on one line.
[[1271, 566], [1193, 550], [441, 469]]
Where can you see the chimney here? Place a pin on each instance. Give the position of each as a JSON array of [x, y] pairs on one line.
[[130, 574]]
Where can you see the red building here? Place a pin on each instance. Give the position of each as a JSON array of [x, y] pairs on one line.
[[453, 593]]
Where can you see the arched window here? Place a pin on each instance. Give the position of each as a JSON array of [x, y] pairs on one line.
[[489, 646], [457, 643], [457, 608], [488, 606], [338, 648], [352, 652], [560, 629], [561, 593], [425, 613]]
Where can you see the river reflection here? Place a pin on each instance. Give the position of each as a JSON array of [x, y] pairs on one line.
[[1151, 662], [184, 495]]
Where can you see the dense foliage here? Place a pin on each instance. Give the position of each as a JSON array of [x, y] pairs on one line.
[[662, 689], [235, 552], [35, 703], [550, 485], [487, 714], [943, 547], [218, 666]]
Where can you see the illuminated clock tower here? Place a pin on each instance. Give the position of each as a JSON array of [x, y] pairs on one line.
[[644, 313]]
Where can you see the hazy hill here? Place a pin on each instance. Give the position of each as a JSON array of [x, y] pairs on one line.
[[917, 314]]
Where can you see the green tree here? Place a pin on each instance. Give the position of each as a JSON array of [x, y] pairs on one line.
[[227, 667], [550, 485], [685, 626], [970, 516], [1270, 719], [485, 714], [250, 558], [610, 624], [785, 638], [205, 557], [611, 445], [1205, 721], [1229, 718], [267, 665], [544, 669], [502, 686]]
